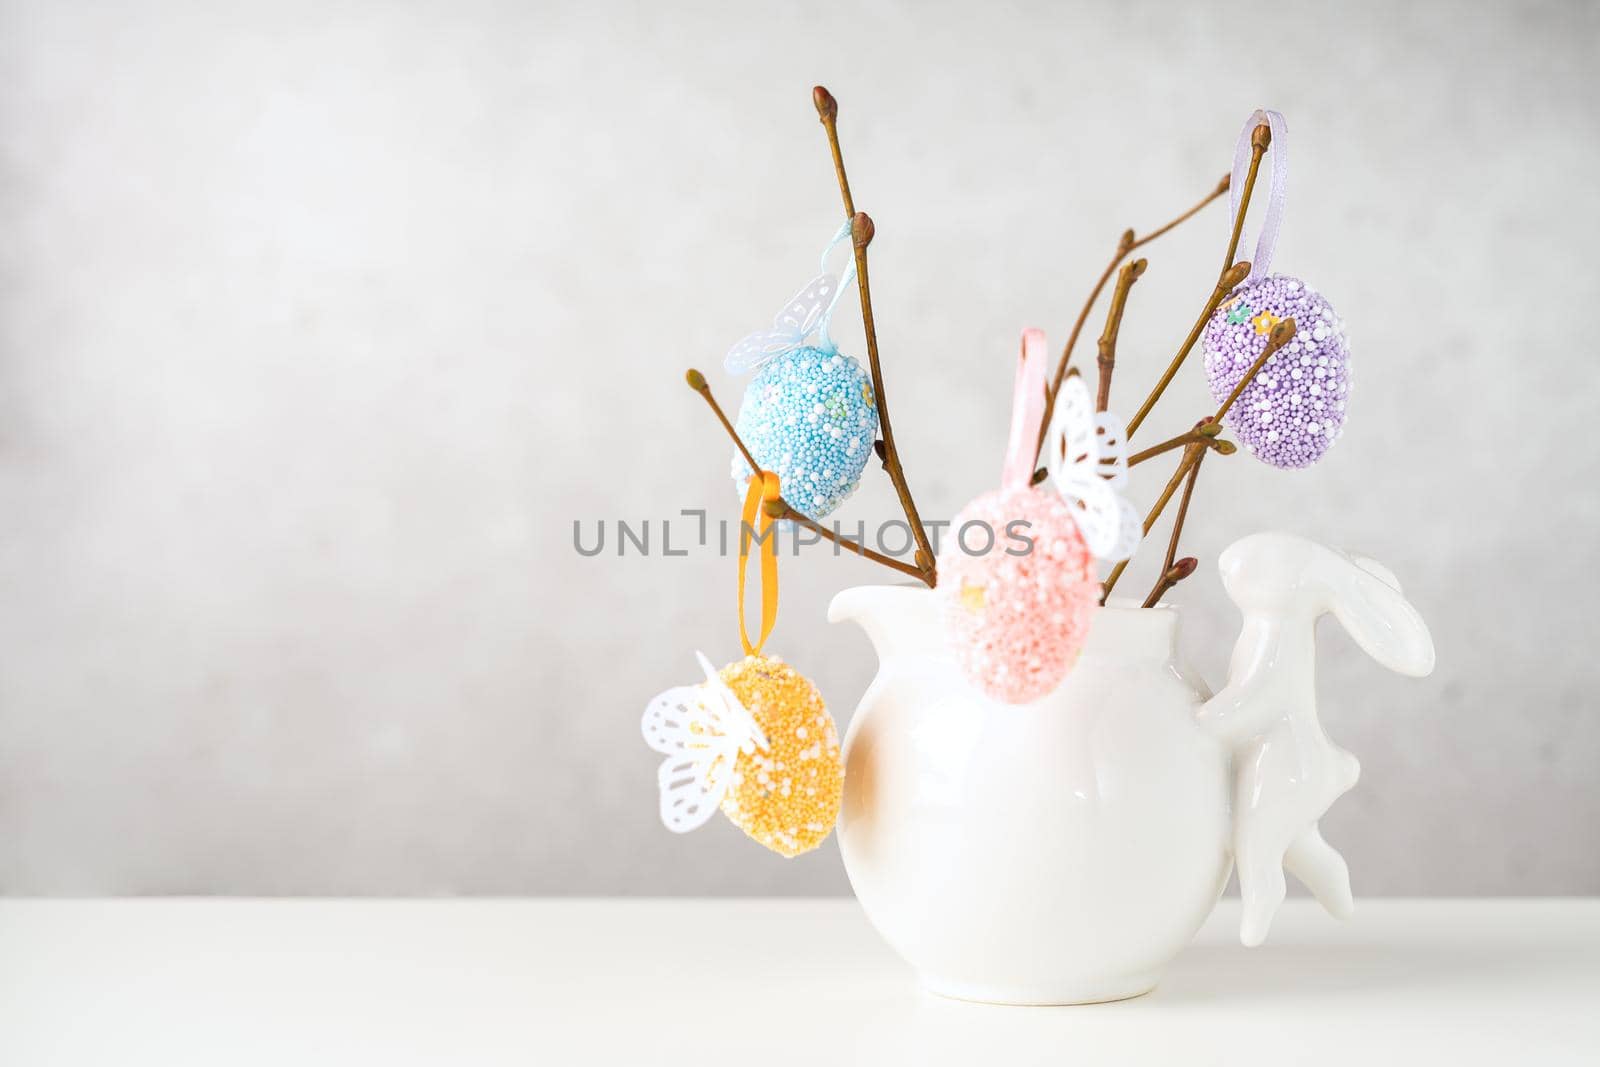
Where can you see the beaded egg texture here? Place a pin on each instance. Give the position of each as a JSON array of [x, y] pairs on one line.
[[1016, 614], [809, 417], [786, 796], [1295, 408]]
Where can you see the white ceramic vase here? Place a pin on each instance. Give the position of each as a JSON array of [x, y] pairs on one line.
[[1066, 850]]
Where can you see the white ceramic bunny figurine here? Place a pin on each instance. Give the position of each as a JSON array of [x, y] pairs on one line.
[[1286, 771]]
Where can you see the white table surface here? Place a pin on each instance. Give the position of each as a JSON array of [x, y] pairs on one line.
[[748, 982]]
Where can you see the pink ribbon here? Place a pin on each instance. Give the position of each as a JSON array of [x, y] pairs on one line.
[[1027, 408], [1278, 160]]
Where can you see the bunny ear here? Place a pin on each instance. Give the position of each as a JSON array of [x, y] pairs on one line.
[[1384, 574], [1368, 604]]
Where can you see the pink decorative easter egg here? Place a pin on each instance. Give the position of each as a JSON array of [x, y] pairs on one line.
[[1019, 588]]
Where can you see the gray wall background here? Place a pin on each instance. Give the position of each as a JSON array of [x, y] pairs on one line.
[[320, 324]]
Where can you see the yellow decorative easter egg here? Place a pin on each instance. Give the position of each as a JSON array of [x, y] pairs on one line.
[[786, 796]]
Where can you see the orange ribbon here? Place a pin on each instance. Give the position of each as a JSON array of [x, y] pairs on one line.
[[763, 487]]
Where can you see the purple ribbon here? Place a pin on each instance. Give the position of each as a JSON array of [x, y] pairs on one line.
[[1278, 159]]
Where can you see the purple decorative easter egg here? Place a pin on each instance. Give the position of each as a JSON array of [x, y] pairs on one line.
[[1294, 409]]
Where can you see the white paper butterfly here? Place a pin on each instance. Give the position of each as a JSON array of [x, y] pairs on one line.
[[1086, 453], [809, 312], [701, 729], [797, 321]]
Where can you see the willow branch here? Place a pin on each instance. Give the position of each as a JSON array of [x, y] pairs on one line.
[[1183, 509], [1107, 358], [1125, 245], [1260, 138], [1205, 433], [1231, 275], [1281, 335], [861, 232], [782, 509], [1171, 577], [1191, 456], [828, 112], [1221, 187], [1168, 564], [698, 383], [1230, 278]]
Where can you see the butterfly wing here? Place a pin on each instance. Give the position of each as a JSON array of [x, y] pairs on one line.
[[700, 729], [1081, 437], [732, 716], [1105, 520], [681, 723], [758, 349], [1086, 453], [690, 794], [1130, 532], [1111, 451], [801, 314], [794, 322], [1070, 441]]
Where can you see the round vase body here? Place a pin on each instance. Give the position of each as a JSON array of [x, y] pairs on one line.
[[1057, 852]]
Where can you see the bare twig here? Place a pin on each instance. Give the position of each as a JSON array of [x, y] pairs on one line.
[[1177, 525], [1221, 187], [1230, 278], [828, 112], [1126, 244], [1183, 511], [1042, 473], [782, 509], [1205, 433], [1107, 358], [1171, 577], [1191, 456], [1260, 138], [1194, 451], [698, 383], [861, 232], [1231, 275], [1282, 334]]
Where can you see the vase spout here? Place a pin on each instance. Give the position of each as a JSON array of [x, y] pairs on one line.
[[899, 620]]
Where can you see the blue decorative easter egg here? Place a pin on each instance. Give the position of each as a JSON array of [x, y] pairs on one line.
[[808, 416]]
